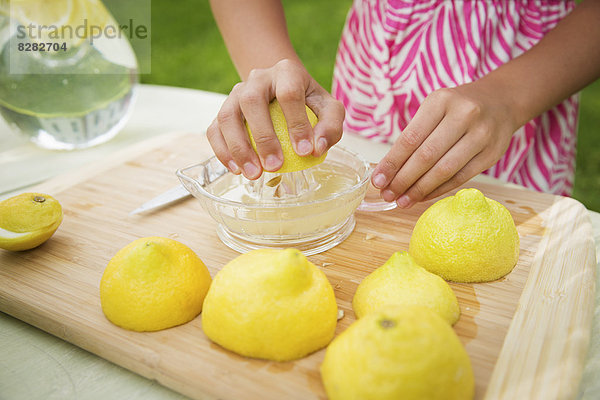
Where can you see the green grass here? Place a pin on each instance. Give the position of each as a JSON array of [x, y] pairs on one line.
[[187, 51], [587, 172]]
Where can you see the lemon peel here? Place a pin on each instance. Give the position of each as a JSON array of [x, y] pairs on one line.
[[292, 162], [153, 283], [28, 220], [401, 281], [270, 304], [398, 352], [466, 238]]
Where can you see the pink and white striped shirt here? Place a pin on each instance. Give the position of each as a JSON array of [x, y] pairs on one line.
[[393, 53]]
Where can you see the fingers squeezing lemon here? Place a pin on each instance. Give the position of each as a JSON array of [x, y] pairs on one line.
[[28, 220], [292, 162]]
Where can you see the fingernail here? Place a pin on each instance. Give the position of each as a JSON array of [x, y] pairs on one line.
[[233, 167], [403, 201], [272, 162], [304, 147], [388, 195], [321, 145], [379, 181], [251, 170]]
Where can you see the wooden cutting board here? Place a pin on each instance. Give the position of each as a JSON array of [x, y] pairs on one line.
[[526, 334]]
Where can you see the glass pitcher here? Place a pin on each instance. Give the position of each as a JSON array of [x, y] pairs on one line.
[[67, 75]]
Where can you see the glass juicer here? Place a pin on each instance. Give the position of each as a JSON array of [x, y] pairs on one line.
[[310, 210]]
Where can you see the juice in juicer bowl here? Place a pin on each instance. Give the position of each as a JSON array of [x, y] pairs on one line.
[[312, 225]]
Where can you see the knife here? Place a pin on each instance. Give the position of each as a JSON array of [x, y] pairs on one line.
[[169, 197]]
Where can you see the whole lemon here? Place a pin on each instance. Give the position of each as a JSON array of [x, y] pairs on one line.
[[466, 238], [401, 281], [270, 304], [28, 220], [291, 160], [398, 352], [153, 283]]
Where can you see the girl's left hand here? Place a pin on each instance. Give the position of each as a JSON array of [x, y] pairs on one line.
[[455, 134]]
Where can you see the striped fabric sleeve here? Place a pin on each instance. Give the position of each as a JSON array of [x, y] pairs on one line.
[[392, 54]]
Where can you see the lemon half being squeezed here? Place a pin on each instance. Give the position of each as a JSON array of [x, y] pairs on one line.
[[292, 162]]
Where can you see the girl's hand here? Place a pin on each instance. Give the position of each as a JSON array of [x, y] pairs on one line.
[[455, 134], [290, 83]]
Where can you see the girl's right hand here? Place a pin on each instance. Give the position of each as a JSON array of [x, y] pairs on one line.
[[291, 84]]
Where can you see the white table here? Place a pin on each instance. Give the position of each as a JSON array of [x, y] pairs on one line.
[[36, 365]]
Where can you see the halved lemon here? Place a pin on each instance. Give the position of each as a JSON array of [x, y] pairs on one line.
[[28, 220]]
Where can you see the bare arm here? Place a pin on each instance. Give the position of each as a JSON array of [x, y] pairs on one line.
[[460, 132], [565, 61], [256, 36], [255, 33]]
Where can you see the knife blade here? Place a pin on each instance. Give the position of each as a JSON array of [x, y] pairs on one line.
[[169, 197]]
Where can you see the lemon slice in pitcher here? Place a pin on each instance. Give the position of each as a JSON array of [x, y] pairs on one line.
[[68, 21], [49, 13]]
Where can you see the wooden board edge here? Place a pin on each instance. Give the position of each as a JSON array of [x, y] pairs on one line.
[[544, 351], [69, 179]]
